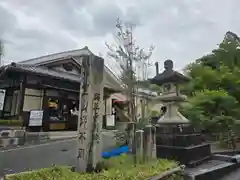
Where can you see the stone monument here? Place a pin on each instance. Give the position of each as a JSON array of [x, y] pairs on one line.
[[90, 114], [175, 137]]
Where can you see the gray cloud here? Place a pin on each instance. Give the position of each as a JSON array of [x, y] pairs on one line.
[[26, 43], [33, 43], [79, 17], [104, 17], [181, 30], [8, 21]]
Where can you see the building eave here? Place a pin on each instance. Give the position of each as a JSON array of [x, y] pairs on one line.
[[110, 78]]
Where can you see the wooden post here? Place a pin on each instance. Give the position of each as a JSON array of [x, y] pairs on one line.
[[21, 97]]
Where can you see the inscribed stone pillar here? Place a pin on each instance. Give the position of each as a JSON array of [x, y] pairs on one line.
[[84, 122], [97, 65], [139, 144], [90, 114]]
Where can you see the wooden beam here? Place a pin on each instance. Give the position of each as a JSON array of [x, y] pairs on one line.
[[58, 88], [21, 96]]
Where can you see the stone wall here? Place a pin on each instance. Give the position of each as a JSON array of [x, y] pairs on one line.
[[12, 138]]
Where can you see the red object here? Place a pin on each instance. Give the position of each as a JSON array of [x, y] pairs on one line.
[[120, 102]]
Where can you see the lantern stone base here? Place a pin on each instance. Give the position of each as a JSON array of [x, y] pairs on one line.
[[190, 156], [181, 144]]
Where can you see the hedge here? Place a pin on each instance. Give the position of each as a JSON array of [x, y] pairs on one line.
[[10, 122], [115, 168]]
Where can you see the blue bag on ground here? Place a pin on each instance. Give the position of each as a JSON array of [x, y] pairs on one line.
[[115, 152]]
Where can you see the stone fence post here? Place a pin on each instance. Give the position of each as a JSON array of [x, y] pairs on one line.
[[139, 145], [150, 142], [131, 132]]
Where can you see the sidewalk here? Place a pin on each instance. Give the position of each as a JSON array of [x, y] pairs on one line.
[[53, 134], [4, 127]]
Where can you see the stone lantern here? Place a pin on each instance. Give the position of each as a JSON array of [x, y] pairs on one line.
[[175, 137]]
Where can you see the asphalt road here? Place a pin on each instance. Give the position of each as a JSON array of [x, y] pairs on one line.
[[62, 152]]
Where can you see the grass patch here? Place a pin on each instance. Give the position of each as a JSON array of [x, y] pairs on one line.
[[10, 122], [120, 168]]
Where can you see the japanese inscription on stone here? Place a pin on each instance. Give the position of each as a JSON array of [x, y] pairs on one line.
[[84, 123], [97, 79], [90, 121], [96, 109]]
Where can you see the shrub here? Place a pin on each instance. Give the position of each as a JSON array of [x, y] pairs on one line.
[[10, 122], [211, 110], [115, 168]]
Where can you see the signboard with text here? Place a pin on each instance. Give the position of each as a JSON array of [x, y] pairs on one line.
[[36, 117], [2, 98]]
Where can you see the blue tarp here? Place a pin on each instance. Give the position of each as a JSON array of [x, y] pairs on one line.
[[115, 152]]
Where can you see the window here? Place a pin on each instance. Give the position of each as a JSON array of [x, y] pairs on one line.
[[68, 66]]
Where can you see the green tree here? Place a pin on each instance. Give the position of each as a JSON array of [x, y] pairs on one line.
[[211, 109], [202, 78], [214, 88]]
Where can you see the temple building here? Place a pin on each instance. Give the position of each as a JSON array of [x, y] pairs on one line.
[[49, 84]]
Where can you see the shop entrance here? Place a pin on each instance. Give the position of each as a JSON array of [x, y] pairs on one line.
[[60, 113]]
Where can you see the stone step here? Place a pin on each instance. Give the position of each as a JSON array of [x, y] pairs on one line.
[[184, 154], [197, 162], [222, 157], [212, 170]]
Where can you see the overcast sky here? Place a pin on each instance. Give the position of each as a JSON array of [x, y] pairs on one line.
[[181, 30]]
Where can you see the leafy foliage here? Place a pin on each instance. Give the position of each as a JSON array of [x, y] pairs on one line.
[[214, 89], [120, 167], [10, 122], [211, 109]]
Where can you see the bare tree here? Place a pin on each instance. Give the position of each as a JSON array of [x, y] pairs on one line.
[[130, 58], [1, 52]]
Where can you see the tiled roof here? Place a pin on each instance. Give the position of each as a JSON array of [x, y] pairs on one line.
[[50, 57], [62, 55], [33, 65], [44, 72], [169, 76]]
